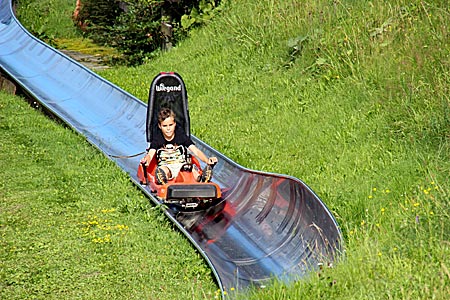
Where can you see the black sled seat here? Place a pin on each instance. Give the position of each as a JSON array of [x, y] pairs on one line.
[[167, 90]]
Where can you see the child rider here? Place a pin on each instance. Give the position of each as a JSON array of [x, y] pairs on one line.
[[170, 146]]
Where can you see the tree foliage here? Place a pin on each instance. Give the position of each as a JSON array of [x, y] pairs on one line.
[[136, 27]]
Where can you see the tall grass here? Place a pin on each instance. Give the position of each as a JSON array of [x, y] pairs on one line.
[[50, 18], [349, 96]]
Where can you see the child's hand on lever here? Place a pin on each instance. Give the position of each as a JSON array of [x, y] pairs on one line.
[[212, 161]]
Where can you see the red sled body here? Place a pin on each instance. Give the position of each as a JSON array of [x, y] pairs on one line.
[[183, 191]]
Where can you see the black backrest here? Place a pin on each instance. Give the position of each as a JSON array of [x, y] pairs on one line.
[[167, 90]]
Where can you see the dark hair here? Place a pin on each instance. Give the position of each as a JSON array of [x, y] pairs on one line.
[[165, 113]]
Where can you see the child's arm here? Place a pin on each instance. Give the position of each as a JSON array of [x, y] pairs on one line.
[[148, 157], [197, 152]]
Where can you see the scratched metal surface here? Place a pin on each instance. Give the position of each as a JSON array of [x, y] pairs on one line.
[[268, 225]]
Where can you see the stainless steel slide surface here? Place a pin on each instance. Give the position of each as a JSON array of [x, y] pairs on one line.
[[267, 226]]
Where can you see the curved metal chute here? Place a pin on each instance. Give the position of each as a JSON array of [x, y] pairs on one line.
[[267, 226]]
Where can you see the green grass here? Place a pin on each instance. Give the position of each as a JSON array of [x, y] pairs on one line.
[[51, 21], [85, 45], [50, 17], [349, 96], [73, 226]]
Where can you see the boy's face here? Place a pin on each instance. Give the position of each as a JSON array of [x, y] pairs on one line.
[[168, 128]]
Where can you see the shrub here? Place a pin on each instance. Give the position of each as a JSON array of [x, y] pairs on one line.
[[135, 27]]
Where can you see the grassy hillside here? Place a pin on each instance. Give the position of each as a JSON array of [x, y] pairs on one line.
[[352, 97]]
